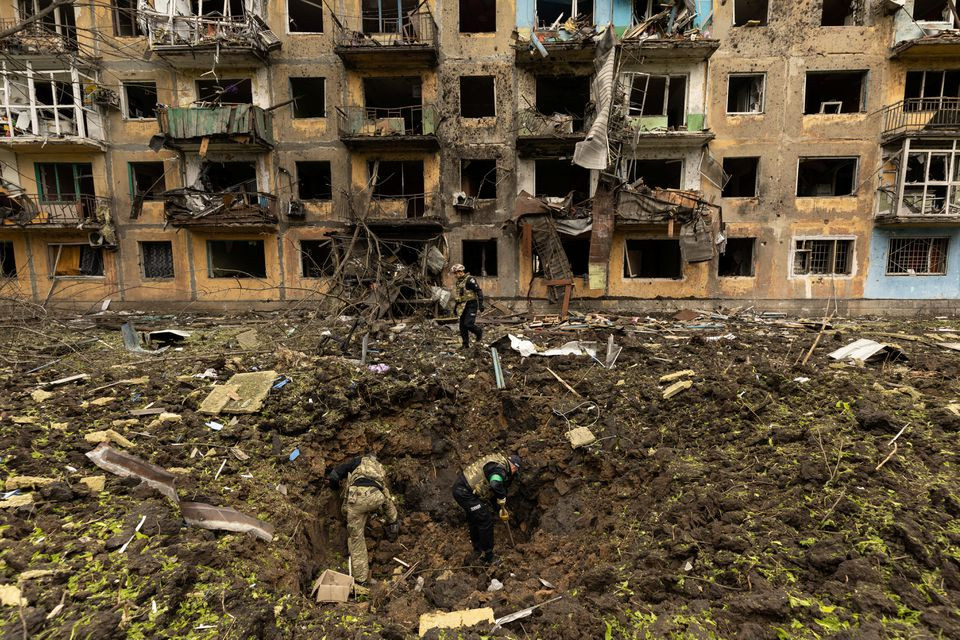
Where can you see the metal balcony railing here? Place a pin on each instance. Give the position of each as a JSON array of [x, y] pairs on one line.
[[378, 29], [188, 31], [194, 207], [64, 211], [532, 123], [38, 38], [362, 122], [921, 115]]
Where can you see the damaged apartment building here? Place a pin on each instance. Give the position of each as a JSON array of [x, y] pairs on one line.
[[575, 153]]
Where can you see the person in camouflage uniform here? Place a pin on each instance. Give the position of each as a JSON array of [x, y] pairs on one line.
[[365, 492], [484, 480]]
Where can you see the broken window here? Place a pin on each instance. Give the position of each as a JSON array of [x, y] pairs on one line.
[[743, 177], [556, 178], [480, 257], [309, 99], [566, 95], [225, 91], [823, 257], [928, 181], [64, 181], [552, 11], [745, 93], [217, 177], [834, 92], [236, 259], [652, 259], [313, 180], [657, 174], [819, 177], [926, 90], [478, 16], [477, 97], [577, 249], [8, 263], [750, 13], [215, 8], [913, 256], [478, 178], [125, 23], [62, 20], [643, 10], [75, 260], [655, 95], [305, 16], [386, 16], [318, 258], [841, 13], [157, 259], [147, 180], [399, 180], [737, 260], [398, 97], [931, 11]]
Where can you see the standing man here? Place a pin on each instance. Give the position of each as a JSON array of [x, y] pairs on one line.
[[470, 296], [365, 492], [486, 479]]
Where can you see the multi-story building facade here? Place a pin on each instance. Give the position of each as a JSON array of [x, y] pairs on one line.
[[233, 153]]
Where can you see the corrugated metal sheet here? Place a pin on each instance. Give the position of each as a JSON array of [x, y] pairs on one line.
[[224, 121]]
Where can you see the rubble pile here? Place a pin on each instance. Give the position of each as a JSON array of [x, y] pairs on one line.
[[714, 474]]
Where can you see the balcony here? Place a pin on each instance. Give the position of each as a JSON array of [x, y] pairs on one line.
[[373, 41], [34, 211], [383, 129], [651, 132], [194, 208], [670, 49], [38, 40], [235, 127], [921, 117], [203, 41], [916, 40], [555, 134]]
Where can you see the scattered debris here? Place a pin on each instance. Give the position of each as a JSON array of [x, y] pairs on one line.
[[670, 377], [527, 348], [332, 586], [128, 466], [109, 435], [10, 596], [294, 454], [242, 393], [546, 584], [216, 426], [864, 349], [208, 516], [132, 342], [26, 482], [581, 437], [24, 419], [455, 619], [676, 388], [685, 315], [523, 613], [14, 501], [239, 454], [40, 395], [133, 535], [379, 368], [56, 383], [94, 483], [167, 336], [495, 585]]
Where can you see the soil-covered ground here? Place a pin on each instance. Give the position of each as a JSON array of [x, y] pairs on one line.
[[751, 505]]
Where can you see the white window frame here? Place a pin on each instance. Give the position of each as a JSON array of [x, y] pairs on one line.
[[631, 77], [865, 74], [791, 275], [763, 93], [124, 111], [946, 257], [856, 176]]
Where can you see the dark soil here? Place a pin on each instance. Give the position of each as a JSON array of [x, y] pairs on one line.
[[748, 506]]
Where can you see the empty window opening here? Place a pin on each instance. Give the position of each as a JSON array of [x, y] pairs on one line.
[[834, 92], [304, 16], [818, 177], [745, 93], [657, 174], [225, 91], [842, 13], [8, 263], [80, 260], [309, 99], [566, 95], [313, 181], [478, 16], [318, 258], [218, 7], [217, 177], [400, 180], [236, 259], [916, 256], [653, 95], [750, 13], [157, 259], [477, 97], [652, 259], [931, 11], [147, 180], [386, 16], [926, 90], [480, 257], [577, 249], [395, 98], [823, 257], [737, 260], [478, 178], [125, 23], [743, 177], [556, 178], [551, 11]]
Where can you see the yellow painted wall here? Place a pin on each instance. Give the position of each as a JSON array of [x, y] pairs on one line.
[[136, 287], [298, 287], [227, 289]]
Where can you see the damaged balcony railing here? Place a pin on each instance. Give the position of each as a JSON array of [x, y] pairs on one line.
[[188, 207], [917, 115], [532, 123], [38, 38], [35, 210], [193, 31], [418, 120], [390, 29]]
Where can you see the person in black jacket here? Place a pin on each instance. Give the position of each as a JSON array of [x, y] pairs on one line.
[[470, 295], [481, 482]]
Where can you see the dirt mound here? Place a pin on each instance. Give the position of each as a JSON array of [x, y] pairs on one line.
[[751, 505]]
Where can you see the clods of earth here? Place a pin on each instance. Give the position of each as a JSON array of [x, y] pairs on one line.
[[780, 494]]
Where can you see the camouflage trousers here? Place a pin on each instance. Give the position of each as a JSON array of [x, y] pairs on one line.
[[360, 503]]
